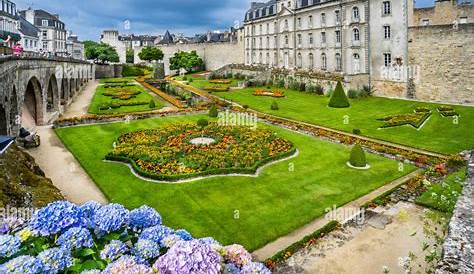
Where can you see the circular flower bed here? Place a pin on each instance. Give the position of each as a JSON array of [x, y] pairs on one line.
[[171, 153], [66, 238]]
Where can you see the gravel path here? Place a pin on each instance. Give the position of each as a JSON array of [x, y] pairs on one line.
[[60, 165]]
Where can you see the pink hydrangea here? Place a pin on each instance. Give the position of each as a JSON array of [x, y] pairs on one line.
[[237, 255]]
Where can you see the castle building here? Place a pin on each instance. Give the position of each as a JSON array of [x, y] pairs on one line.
[[351, 37]]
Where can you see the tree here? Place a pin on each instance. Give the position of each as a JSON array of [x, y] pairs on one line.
[[130, 56], [339, 98], [151, 54], [213, 111], [100, 52], [274, 106], [358, 157], [186, 60]]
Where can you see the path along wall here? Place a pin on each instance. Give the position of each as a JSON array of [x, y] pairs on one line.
[[214, 55], [444, 58]]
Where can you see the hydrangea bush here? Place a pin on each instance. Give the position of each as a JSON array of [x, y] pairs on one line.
[[65, 238]]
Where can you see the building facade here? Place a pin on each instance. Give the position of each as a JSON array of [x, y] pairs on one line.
[[9, 23], [350, 37], [29, 35], [75, 48], [112, 38], [52, 36]]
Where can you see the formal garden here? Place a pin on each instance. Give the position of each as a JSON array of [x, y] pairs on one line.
[[123, 95], [429, 126], [249, 210]]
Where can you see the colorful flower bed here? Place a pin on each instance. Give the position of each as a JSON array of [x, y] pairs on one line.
[[66, 238], [167, 153], [415, 119], [217, 89], [121, 94], [447, 111], [220, 81], [268, 92]]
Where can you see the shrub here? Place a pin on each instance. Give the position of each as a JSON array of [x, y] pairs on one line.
[[353, 94], [274, 106], [356, 131], [339, 98], [281, 83], [319, 90], [245, 106], [358, 157], [132, 71], [366, 91], [213, 111], [152, 104], [301, 86], [185, 78], [202, 122], [190, 80]]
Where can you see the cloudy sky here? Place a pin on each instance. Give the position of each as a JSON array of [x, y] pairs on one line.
[[88, 18]]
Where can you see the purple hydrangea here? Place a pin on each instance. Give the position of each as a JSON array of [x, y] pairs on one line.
[[128, 265], [156, 233], [170, 240], [255, 268], [113, 250], [55, 260], [55, 218], [75, 238], [111, 218], [9, 245], [22, 264], [146, 249], [91, 271], [144, 217], [231, 269], [184, 235], [189, 257], [88, 212], [209, 241], [11, 225]]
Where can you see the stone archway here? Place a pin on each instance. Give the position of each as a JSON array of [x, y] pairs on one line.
[[14, 118], [52, 95], [32, 108], [64, 92], [3, 121]]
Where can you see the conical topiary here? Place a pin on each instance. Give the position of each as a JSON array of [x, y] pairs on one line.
[[213, 111], [339, 98], [358, 157]]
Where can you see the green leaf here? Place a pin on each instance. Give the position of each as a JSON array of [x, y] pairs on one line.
[[86, 252]]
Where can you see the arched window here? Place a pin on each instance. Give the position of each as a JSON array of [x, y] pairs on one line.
[[275, 58], [338, 62], [324, 61], [356, 63], [260, 58], [355, 14], [286, 40], [311, 61], [356, 34], [299, 61], [386, 8], [267, 61]]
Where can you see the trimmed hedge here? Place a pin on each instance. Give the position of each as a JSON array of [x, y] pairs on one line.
[[306, 241], [358, 158], [213, 112], [339, 98]]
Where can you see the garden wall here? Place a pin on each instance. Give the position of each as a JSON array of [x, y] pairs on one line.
[[444, 56], [458, 253], [108, 71], [214, 55]]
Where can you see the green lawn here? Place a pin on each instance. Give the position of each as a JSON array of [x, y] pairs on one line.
[[100, 99], [246, 210], [439, 134]]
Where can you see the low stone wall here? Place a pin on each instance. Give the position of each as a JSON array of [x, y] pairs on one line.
[[108, 71], [458, 252], [391, 89]]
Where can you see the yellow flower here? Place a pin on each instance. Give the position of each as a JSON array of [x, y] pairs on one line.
[[25, 234]]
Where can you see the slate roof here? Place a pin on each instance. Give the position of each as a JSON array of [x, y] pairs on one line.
[[28, 29], [167, 39], [261, 9]]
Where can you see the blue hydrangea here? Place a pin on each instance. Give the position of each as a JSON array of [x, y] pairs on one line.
[[184, 235], [55, 260], [88, 212], [75, 238], [91, 271], [146, 249], [55, 218], [144, 217], [113, 250], [255, 268], [23, 265], [209, 241], [127, 264], [156, 233], [231, 269], [9, 245], [111, 218]]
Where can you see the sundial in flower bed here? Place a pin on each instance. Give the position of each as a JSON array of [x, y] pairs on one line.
[[185, 151]]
